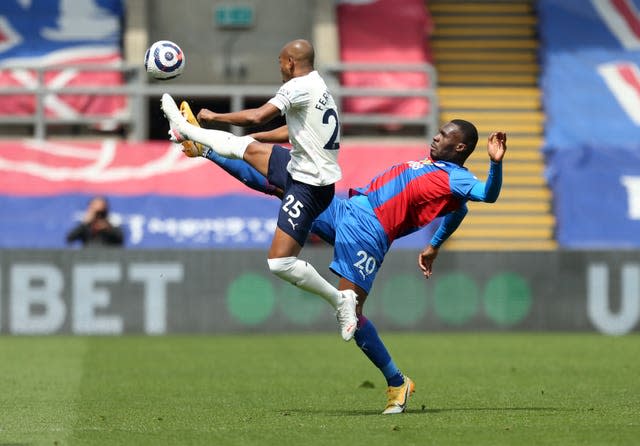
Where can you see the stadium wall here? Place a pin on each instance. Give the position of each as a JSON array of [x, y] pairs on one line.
[[112, 292], [222, 54]]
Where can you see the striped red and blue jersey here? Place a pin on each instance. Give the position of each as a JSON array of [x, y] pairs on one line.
[[410, 195]]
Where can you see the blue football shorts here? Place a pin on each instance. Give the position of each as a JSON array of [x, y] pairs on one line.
[[301, 203], [359, 241]]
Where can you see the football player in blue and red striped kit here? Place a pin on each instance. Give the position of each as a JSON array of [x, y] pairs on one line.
[[397, 202]]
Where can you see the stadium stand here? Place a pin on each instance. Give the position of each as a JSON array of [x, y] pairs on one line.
[[388, 45], [485, 53], [51, 58]]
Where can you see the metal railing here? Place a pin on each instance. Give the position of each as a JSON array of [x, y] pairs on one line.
[[429, 121], [137, 89]]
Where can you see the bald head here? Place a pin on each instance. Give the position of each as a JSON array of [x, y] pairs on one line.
[[296, 59], [301, 51]]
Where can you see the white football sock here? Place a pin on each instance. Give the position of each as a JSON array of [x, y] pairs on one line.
[[304, 275], [223, 143]]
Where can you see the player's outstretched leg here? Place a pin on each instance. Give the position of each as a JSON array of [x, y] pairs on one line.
[[400, 386], [223, 143]]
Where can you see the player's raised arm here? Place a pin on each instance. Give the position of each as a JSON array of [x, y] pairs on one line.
[[243, 118], [237, 168], [489, 190]]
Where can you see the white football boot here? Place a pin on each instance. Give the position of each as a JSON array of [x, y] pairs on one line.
[[177, 122], [346, 314]]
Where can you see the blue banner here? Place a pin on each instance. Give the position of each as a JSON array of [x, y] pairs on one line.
[[45, 33], [148, 221], [56, 30], [590, 54], [597, 197], [153, 221]]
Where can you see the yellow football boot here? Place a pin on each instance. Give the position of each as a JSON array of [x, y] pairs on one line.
[[397, 397], [190, 148]]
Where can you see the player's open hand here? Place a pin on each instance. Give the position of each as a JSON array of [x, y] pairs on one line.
[[425, 260], [497, 146]]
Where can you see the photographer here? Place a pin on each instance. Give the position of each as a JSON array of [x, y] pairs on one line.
[[95, 228]]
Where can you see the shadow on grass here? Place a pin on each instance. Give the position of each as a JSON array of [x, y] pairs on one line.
[[424, 411], [497, 409]]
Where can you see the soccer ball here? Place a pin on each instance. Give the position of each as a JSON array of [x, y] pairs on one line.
[[164, 60]]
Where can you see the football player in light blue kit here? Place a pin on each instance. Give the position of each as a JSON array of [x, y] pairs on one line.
[[313, 129], [399, 201]]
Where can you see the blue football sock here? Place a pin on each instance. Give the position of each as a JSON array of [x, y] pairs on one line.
[[242, 171], [371, 345]]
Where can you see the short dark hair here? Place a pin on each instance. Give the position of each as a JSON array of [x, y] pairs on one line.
[[105, 213], [469, 133]]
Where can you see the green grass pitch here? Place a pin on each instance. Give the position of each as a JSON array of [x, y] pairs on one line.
[[314, 389]]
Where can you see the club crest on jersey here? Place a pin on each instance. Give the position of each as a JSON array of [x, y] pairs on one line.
[[415, 165]]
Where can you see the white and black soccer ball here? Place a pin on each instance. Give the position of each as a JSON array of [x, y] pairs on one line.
[[164, 60]]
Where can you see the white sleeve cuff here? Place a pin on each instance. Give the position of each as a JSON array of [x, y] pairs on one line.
[[280, 102]]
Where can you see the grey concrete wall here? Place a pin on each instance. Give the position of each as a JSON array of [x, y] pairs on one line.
[[223, 56], [155, 292]]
